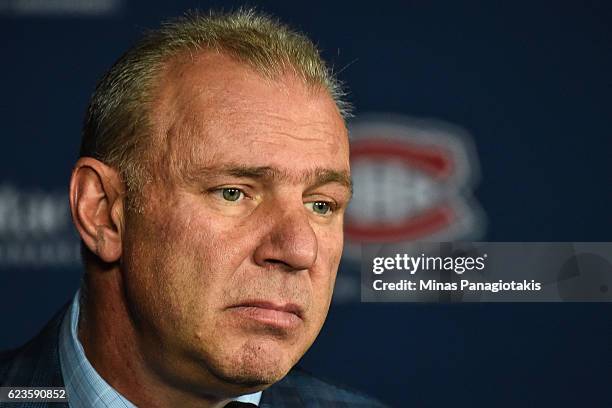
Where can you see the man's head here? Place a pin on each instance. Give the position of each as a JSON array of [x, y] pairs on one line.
[[117, 125], [211, 195]]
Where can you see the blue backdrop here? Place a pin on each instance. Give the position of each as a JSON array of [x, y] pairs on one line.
[[531, 81]]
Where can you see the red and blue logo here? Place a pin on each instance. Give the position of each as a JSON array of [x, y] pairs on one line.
[[413, 180]]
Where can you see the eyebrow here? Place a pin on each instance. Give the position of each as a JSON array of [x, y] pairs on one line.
[[314, 178]]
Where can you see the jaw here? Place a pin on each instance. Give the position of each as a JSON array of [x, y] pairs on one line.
[[250, 352], [258, 362]]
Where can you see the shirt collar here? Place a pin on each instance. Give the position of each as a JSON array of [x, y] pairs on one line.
[[84, 386]]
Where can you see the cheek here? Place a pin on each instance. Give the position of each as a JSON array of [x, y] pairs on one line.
[[323, 278], [190, 248], [170, 259], [330, 244]]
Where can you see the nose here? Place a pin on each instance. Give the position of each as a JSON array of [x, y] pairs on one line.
[[291, 242]]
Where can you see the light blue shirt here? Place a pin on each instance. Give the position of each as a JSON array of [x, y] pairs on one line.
[[84, 386]]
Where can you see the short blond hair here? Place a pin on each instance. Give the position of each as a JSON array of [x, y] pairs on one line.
[[116, 123]]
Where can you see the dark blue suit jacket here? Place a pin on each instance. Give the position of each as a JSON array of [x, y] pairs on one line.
[[37, 364]]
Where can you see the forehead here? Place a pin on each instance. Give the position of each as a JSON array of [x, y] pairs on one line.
[[211, 108]]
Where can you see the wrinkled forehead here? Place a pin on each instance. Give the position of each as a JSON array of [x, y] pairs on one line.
[[213, 106]]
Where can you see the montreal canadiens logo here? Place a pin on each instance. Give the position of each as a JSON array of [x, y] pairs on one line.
[[413, 180]]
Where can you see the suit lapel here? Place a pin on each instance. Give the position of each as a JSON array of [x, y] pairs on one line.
[[37, 363], [285, 393]]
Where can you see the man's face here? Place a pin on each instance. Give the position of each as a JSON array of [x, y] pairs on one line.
[[229, 267]]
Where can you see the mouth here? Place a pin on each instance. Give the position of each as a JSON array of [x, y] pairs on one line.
[[285, 316]]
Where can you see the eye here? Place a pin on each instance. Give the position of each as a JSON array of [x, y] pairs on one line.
[[231, 194], [319, 207]]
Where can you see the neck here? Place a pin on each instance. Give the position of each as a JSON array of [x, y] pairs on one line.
[[109, 337]]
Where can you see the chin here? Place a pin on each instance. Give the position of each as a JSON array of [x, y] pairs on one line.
[[258, 364]]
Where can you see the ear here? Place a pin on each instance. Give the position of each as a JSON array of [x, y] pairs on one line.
[[96, 203]]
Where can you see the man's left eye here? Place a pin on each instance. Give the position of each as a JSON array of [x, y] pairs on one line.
[[231, 194], [319, 207]]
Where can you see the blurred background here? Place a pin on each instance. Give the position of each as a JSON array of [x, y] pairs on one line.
[[474, 120]]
